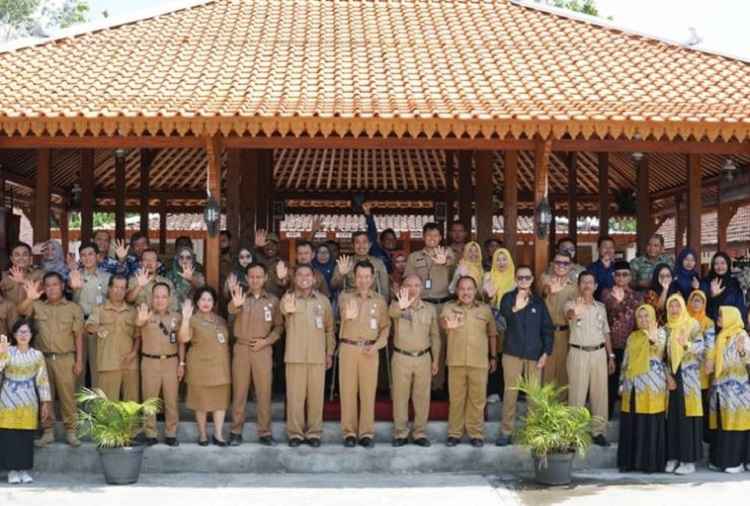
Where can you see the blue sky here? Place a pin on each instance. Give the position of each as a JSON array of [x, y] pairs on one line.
[[721, 23]]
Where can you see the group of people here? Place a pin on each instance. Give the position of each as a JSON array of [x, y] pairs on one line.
[[461, 322]]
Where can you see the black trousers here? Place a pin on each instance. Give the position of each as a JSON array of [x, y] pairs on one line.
[[16, 449], [614, 382]]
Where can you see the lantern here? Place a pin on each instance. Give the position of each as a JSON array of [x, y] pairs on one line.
[[212, 215]]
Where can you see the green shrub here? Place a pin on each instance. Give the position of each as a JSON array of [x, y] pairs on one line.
[[112, 424]]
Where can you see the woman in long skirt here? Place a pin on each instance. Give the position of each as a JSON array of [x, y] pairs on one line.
[[24, 385], [643, 380], [684, 409], [729, 415], [697, 308]]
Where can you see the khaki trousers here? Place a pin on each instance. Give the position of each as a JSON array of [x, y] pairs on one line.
[[358, 380], [256, 368], [514, 368], [556, 368], [112, 383], [305, 383], [438, 381], [467, 388], [159, 377], [90, 359], [411, 380], [587, 372], [62, 383]]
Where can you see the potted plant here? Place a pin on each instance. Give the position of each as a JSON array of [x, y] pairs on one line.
[[553, 431], [114, 426]]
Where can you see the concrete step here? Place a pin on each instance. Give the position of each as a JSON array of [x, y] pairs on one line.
[[332, 458]]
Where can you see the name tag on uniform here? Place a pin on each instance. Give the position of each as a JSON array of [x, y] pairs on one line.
[[427, 284], [373, 324], [533, 310], [267, 314], [172, 338], [99, 299], [220, 338], [318, 322]]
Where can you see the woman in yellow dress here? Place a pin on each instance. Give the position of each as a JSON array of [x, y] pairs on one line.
[[696, 305], [500, 280]]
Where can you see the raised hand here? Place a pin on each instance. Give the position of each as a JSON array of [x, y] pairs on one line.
[[232, 282], [618, 293], [580, 307], [462, 270], [187, 272], [555, 285], [490, 288], [121, 249], [17, 274], [261, 238], [71, 261], [144, 315], [39, 248], [344, 264], [522, 299], [664, 283], [441, 256], [404, 301], [682, 339], [696, 284], [187, 310], [33, 289], [142, 278], [717, 287], [351, 310], [289, 303], [75, 279], [238, 295], [4, 346], [282, 271], [452, 321]]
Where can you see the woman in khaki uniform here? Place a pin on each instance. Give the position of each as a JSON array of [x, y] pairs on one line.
[[208, 371]]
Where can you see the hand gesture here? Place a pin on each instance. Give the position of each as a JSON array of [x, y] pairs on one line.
[[404, 301], [187, 310], [580, 307], [121, 249], [39, 248], [618, 293], [282, 271], [232, 282], [452, 321], [33, 289], [238, 295], [187, 272], [555, 285], [664, 283], [71, 261], [351, 310], [696, 284], [142, 278], [652, 332], [289, 303], [259, 344], [18, 275], [490, 288], [441, 256], [261, 238], [522, 299], [344, 264], [144, 315], [462, 270], [75, 279], [180, 373], [369, 350], [717, 287], [741, 345], [542, 361], [682, 339], [3, 344]]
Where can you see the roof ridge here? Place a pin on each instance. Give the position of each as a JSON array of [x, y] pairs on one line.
[[611, 25], [105, 24]]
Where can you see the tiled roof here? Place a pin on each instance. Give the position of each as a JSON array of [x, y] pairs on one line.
[[737, 232], [392, 67]]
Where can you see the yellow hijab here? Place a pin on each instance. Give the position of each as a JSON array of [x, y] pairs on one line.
[[731, 325], [677, 325], [474, 269], [504, 280], [699, 316], [638, 346]]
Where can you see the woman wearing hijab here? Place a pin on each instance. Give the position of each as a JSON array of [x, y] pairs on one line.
[[662, 287], [239, 271], [54, 259], [687, 272], [684, 409], [721, 288], [184, 274], [729, 415], [643, 386], [397, 275], [469, 265], [324, 263], [696, 305], [500, 280]]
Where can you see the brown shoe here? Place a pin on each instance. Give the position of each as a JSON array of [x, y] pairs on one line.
[[72, 440], [48, 437]]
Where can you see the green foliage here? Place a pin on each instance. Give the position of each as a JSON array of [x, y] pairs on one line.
[[582, 6], [19, 18], [551, 426], [70, 13], [112, 424], [101, 220]]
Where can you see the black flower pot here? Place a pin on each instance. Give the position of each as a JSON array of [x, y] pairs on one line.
[[556, 469], [122, 466]]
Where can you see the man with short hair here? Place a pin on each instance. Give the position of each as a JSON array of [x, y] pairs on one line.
[[590, 359], [267, 251], [107, 263], [567, 246], [458, 235], [305, 256], [642, 267], [59, 336], [603, 268], [138, 245], [343, 273], [22, 269], [490, 246], [140, 288], [380, 246]]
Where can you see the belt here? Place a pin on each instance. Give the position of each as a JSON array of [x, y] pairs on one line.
[[247, 343], [588, 348], [561, 328], [358, 343], [414, 354], [53, 356], [158, 357], [438, 301]]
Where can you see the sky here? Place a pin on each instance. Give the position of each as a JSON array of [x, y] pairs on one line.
[[722, 24]]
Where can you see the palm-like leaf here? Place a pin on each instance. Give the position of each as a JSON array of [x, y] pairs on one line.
[[112, 424]]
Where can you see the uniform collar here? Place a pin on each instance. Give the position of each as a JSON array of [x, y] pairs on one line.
[[121, 308]]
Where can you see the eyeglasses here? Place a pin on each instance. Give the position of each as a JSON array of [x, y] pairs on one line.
[[562, 263], [186, 257], [523, 278], [624, 274], [246, 256]]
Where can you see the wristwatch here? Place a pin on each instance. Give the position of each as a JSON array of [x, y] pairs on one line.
[[182, 364], [611, 355]]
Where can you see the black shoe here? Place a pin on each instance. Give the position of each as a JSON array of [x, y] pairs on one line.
[[151, 441], [398, 442], [350, 442], [452, 441], [171, 441], [314, 442], [423, 442], [235, 439], [477, 443], [366, 442], [503, 440], [217, 442], [295, 442], [266, 441], [203, 442], [600, 440]]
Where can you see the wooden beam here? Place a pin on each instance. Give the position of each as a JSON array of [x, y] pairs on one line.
[[573, 196], [41, 196], [233, 199], [541, 184], [147, 159], [163, 226], [484, 195], [120, 188], [603, 166], [465, 190], [510, 201], [695, 203], [88, 194], [680, 222], [213, 183], [645, 222]]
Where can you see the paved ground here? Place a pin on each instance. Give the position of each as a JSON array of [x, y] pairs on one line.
[[596, 488]]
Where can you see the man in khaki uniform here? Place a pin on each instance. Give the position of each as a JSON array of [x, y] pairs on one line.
[[558, 290], [8, 316], [415, 360], [89, 291], [21, 270], [343, 273], [471, 352], [113, 325], [364, 331], [590, 359], [162, 360], [434, 265], [141, 286], [59, 337], [305, 255], [257, 326], [310, 344]]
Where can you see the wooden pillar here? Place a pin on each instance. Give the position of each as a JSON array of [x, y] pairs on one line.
[[264, 188], [510, 201], [4, 212], [679, 222], [65, 230], [213, 177], [541, 183], [645, 222], [162, 226], [465, 189], [695, 202], [726, 213], [88, 196], [120, 196], [484, 195], [249, 192], [603, 165], [41, 197], [147, 159], [573, 196], [552, 229], [234, 178], [450, 190]]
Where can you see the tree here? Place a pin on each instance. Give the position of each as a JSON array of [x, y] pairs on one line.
[[582, 6], [22, 18]]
